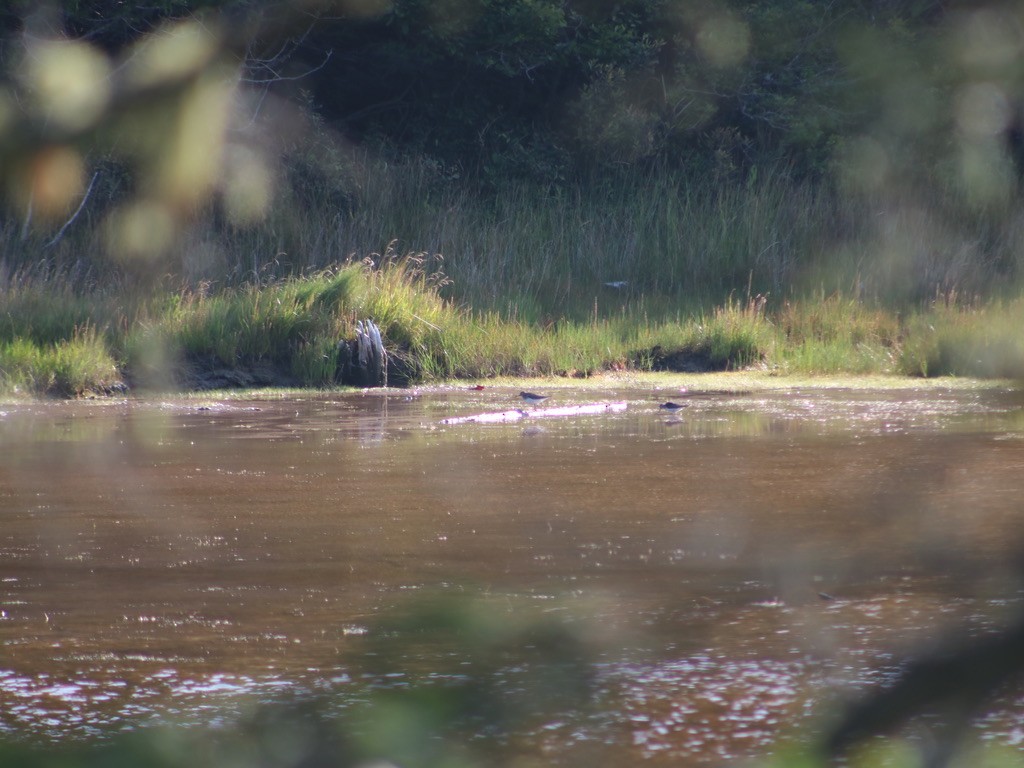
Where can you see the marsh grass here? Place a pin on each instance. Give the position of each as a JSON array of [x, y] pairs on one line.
[[44, 313], [289, 329], [69, 368], [737, 335], [966, 339], [674, 245], [54, 341], [671, 243], [539, 254], [651, 271], [837, 334]]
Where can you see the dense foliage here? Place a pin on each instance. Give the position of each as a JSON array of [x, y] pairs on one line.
[[549, 89], [544, 89]]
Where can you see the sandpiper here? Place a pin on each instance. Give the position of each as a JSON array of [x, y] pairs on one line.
[[533, 398], [670, 406]]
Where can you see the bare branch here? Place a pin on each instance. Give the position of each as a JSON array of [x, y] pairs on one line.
[[85, 198], [284, 78]]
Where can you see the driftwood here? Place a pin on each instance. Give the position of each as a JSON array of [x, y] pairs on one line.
[[499, 417], [362, 361]]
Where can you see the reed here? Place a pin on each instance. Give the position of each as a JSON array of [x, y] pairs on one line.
[[965, 339], [69, 368], [530, 281], [291, 328], [654, 242], [535, 254], [837, 334]]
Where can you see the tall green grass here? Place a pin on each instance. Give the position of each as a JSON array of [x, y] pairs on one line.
[[837, 334], [538, 254], [673, 245], [291, 328], [68, 368], [287, 331], [54, 341], [966, 340], [527, 280]]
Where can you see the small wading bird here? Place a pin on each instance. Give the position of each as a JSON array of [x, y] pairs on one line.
[[670, 406], [533, 398]]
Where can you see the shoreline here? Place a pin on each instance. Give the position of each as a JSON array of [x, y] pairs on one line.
[[723, 383]]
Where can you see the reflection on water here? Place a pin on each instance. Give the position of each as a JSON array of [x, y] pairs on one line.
[[744, 561]]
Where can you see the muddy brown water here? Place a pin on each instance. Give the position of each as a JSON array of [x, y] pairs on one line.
[[161, 559]]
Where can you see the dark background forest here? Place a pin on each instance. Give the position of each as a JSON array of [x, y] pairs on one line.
[[558, 91]]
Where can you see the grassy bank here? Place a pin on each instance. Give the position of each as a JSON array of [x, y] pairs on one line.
[[56, 341], [647, 242], [656, 271]]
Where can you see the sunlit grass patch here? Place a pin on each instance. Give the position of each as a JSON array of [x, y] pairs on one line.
[[286, 333], [54, 341], [286, 326], [402, 295], [732, 336], [487, 345], [291, 328], [836, 317], [814, 356], [737, 335], [246, 326], [964, 340], [65, 369], [836, 334]]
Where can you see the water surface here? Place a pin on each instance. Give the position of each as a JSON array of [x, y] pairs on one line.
[[158, 558]]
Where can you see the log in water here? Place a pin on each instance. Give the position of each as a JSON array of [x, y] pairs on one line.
[[516, 414], [363, 361]]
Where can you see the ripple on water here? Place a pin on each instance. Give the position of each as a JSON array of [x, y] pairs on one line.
[[705, 706], [87, 707], [212, 575]]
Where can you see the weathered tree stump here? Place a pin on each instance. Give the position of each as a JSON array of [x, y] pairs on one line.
[[362, 361]]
